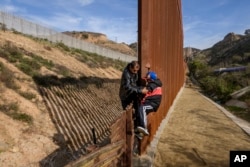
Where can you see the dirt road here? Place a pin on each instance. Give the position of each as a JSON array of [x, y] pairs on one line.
[[198, 134]]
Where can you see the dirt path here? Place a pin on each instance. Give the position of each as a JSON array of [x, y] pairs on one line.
[[198, 134]]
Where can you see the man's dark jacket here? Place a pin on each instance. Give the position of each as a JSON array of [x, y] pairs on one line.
[[128, 84]]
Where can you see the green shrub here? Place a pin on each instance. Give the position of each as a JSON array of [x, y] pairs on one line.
[[237, 59], [63, 70], [7, 77], [10, 52], [28, 65], [31, 62], [9, 107], [27, 95], [22, 117], [26, 69], [85, 36], [47, 63], [4, 54], [15, 31], [3, 27], [62, 46], [47, 48], [11, 110], [240, 112], [199, 68], [209, 84], [1, 66]]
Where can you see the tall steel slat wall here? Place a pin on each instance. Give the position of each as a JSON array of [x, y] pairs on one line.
[[160, 43]]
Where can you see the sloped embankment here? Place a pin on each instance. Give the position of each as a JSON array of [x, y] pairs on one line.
[[80, 109], [62, 110]]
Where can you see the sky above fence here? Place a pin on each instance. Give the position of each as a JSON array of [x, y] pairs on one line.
[[204, 22]]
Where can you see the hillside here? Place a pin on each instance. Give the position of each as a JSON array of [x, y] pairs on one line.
[[224, 69], [103, 41], [29, 133], [233, 50]]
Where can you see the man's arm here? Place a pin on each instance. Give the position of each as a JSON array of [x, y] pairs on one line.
[[128, 86]]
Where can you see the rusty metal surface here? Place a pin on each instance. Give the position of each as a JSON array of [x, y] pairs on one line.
[[160, 43]]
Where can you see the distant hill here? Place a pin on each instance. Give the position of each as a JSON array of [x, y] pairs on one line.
[[102, 40], [188, 52], [233, 50], [223, 70]]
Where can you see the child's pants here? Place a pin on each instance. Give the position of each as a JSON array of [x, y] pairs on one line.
[[144, 110]]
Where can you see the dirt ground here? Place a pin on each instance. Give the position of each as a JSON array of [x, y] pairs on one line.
[[198, 134]]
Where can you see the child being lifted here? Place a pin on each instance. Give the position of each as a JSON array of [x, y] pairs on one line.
[[150, 102]]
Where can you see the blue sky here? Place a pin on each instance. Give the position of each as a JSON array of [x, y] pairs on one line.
[[205, 22]]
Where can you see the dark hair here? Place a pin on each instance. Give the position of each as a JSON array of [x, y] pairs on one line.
[[134, 63]]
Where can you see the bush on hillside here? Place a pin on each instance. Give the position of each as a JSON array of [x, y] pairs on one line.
[[3, 27], [7, 77], [12, 110], [217, 86]]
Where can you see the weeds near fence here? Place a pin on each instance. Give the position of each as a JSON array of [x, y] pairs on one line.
[[62, 46], [15, 31]]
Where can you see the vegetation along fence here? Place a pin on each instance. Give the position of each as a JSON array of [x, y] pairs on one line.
[[30, 28]]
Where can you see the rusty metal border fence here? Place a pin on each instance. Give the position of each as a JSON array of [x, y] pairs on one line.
[[160, 43]]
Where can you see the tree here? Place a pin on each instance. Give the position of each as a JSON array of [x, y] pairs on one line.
[[247, 32]]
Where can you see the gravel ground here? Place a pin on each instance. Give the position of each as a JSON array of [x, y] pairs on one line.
[[198, 133]]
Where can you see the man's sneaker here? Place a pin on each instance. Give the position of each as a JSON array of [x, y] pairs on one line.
[[139, 135], [143, 130]]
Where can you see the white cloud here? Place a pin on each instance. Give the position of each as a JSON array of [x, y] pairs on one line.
[[11, 9], [221, 3], [190, 26], [85, 2], [59, 22], [119, 30], [67, 16]]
